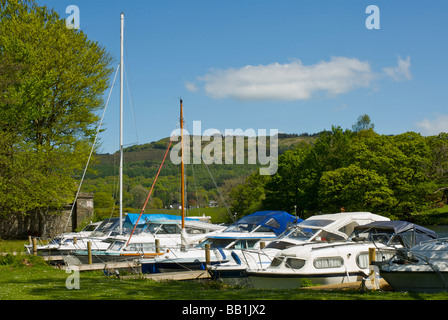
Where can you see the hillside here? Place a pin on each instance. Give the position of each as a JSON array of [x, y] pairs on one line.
[[141, 163]]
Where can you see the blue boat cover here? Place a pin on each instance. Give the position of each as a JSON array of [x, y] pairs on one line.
[[275, 220], [131, 218]]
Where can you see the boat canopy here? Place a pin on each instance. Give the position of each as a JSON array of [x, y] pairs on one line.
[[277, 221], [131, 218], [411, 234]]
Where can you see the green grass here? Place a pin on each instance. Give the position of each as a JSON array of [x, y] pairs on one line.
[[26, 277]]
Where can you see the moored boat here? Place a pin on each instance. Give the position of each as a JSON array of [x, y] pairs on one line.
[[423, 268], [318, 228], [338, 262], [248, 232]]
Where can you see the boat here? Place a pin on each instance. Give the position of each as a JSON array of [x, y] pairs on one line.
[[154, 237], [249, 232], [67, 242], [318, 228], [64, 238], [341, 261], [423, 268]]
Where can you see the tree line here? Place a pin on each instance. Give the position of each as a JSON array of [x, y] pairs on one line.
[[353, 170]]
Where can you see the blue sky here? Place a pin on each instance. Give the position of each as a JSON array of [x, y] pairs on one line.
[[292, 65]]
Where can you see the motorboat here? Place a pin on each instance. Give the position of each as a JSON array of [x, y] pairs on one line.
[[67, 237], [318, 228], [156, 237], [67, 242], [249, 232], [423, 268], [341, 261]]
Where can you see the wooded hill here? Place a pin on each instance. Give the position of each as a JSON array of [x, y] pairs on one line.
[[207, 185]]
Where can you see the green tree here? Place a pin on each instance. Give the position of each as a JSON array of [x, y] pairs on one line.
[[247, 197], [48, 115], [363, 123]]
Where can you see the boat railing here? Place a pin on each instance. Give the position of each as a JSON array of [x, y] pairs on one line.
[[255, 256]]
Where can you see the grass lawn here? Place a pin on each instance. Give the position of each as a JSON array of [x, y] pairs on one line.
[[30, 278]]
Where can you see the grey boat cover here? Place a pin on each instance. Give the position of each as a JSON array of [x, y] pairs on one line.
[[411, 234]]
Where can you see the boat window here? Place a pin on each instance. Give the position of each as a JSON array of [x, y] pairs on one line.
[[279, 245], [90, 227], [191, 230], [158, 228], [315, 223], [328, 236], [348, 229], [116, 245], [147, 246], [330, 262], [273, 223], [244, 244], [216, 243], [295, 263], [362, 260], [276, 261]]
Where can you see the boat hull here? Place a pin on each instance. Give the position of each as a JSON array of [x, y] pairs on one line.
[[160, 267], [417, 281], [264, 280]]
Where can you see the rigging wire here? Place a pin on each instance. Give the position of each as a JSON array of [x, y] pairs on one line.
[[91, 151]]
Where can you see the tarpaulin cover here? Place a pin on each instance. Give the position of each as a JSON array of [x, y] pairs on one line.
[[411, 234], [131, 218], [275, 220]]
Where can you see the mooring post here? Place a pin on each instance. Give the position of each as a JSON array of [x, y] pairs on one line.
[[89, 252], [157, 241], [262, 245], [372, 256], [207, 256], [35, 246]]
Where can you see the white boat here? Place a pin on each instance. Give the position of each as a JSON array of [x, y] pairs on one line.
[[247, 233], [338, 262], [318, 228], [423, 268], [67, 242], [167, 232]]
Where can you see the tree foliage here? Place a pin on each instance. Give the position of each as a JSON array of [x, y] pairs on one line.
[[51, 79], [359, 170]]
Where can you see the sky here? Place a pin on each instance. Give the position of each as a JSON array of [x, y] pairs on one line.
[[297, 66]]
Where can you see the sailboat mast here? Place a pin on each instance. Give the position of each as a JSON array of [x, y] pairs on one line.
[[182, 164], [121, 123]]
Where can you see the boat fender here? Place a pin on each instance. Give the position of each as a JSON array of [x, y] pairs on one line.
[[236, 258]]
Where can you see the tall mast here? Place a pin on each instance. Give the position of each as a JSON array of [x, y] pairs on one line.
[[182, 164], [121, 122]]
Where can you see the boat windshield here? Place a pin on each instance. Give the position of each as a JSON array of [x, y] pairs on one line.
[[247, 228], [116, 245], [161, 228], [298, 233], [229, 243], [216, 243], [377, 236]]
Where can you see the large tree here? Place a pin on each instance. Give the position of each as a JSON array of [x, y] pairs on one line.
[[47, 110]]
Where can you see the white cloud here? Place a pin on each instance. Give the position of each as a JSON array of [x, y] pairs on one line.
[[434, 126], [401, 71], [291, 81], [191, 86]]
